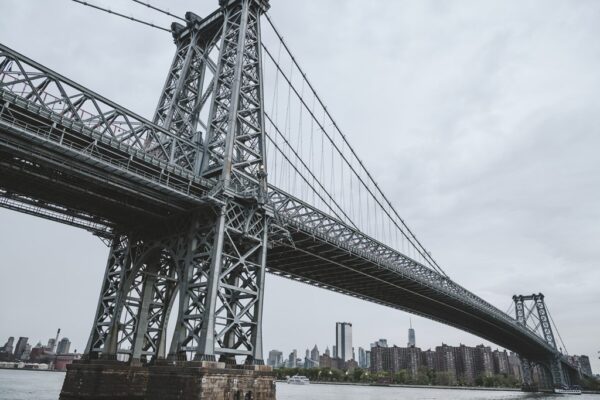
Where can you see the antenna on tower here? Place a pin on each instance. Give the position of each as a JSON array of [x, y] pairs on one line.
[[55, 341]]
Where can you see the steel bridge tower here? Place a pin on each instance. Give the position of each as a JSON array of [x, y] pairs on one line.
[[532, 313], [212, 259]]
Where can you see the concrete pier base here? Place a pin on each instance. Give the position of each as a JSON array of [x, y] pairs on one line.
[[197, 380]]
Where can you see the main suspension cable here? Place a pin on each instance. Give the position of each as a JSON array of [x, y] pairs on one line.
[[419, 249], [159, 10], [426, 255], [131, 18], [556, 329]]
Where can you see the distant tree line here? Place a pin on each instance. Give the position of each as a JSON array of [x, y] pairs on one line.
[[424, 376], [590, 384]]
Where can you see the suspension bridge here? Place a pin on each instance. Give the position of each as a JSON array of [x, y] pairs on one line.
[[241, 171]]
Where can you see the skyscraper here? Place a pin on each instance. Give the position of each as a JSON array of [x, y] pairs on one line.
[[314, 354], [584, 365], [343, 340], [63, 346], [20, 347], [327, 352], [275, 358], [292, 359], [411, 336], [8, 346], [362, 358]]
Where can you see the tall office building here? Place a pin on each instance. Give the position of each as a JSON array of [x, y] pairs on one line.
[[25, 354], [411, 336], [275, 358], [327, 352], [314, 354], [63, 346], [343, 340], [8, 346], [20, 347], [362, 358], [584, 365], [292, 358]]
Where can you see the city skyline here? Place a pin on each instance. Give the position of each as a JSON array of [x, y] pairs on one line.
[[533, 266], [450, 364]]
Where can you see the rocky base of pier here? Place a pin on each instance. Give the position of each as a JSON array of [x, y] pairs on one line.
[[103, 380]]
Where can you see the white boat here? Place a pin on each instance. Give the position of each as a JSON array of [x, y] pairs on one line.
[[566, 390], [298, 380]]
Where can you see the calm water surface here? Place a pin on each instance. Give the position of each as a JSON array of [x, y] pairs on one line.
[[34, 385]]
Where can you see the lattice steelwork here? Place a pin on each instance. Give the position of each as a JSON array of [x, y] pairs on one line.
[[531, 312], [221, 257], [186, 203], [69, 101]]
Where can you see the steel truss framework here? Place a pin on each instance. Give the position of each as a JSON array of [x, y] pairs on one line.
[[531, 312], [221, 258], [197, 177]]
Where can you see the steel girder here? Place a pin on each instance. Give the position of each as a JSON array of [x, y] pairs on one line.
[[44, 138], [60, 96]]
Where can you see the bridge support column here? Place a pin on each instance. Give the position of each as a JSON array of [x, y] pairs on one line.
[[215, 255], [125, 358], [528, 383], [194, 380], [558, 375]]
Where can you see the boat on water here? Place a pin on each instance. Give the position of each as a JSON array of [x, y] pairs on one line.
[[568, 390], [298, 380]]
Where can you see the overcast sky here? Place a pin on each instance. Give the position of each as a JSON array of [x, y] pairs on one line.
[[479, 119]]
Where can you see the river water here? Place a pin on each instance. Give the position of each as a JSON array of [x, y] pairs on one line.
[[37, 385]]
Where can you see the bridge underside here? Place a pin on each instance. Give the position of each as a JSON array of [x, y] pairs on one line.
[[50, 169], [100, 201], [71, 184], [324, 265]]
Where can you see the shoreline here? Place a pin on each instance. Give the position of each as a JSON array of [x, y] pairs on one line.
[[396, 385], [31, 369], [481, 388]]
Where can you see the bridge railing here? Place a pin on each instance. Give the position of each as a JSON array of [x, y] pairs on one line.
[[67, 99], [82, 142]]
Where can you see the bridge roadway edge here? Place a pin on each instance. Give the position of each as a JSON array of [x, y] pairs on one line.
[[167, 380]]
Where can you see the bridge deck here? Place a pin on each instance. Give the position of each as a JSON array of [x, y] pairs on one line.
[[82, 173]]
